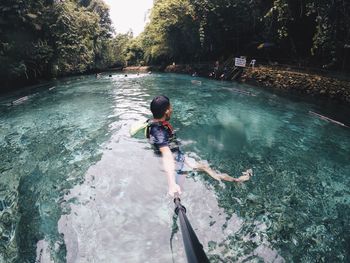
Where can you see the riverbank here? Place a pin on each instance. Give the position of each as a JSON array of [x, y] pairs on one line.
[[143, 69], [140, 69], [310, 84], [305, 83], [8, 86]]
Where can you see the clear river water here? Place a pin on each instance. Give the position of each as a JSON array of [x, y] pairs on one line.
[[75, 187]]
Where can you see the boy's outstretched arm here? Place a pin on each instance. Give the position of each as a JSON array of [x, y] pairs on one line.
[[169, 167]]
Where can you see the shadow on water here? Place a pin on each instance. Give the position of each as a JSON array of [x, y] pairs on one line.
[[333, 109]]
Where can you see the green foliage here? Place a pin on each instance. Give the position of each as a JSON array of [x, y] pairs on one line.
[[226, 26], [119, 47], [172, 34], [20, 25], [332, 29], [46, 38], [133, 52], [186, 30], [73, 33]]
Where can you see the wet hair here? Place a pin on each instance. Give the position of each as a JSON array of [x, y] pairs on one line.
[[159, 106]]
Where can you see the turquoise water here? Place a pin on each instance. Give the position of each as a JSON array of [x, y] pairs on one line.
[[75, 187]]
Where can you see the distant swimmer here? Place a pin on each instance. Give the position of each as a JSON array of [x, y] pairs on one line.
[[252, 63], [110, 76], [125, 75], [196, 82]]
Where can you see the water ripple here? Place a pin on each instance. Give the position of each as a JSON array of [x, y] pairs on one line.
[[76, 188]]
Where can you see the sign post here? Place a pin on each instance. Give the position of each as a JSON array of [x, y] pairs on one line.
[[240, 62]]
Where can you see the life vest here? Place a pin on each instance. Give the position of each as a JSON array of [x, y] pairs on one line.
[[165, 124]]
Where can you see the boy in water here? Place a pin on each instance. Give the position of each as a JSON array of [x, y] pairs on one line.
[[163, 139]]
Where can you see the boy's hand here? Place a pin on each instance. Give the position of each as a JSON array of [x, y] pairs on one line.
[[174, 188]]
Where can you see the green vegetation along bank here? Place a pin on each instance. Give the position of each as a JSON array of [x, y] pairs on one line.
[[43, 39], [49, 38]]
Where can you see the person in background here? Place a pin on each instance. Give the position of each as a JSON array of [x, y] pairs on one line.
[[252, 63]]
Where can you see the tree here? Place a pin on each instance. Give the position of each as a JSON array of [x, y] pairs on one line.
[[73, 32], [172, 34], [308, 32], [45, 38], [119, 46], [133, 52], [24, 53]]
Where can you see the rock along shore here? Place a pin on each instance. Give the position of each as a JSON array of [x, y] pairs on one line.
[[305, 83], [274, 78]]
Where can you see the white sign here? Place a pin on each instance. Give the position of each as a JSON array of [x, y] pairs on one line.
[[240, 62]]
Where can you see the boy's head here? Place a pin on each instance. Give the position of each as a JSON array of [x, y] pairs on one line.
[[160, 107]]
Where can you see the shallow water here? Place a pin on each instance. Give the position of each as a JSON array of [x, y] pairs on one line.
[[75, 187]]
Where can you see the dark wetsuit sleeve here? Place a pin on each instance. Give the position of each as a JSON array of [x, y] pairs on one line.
[[159, 136]]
